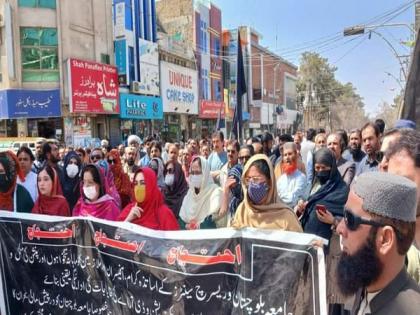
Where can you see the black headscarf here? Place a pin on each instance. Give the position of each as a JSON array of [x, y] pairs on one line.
[[332, 194], [237, 194], [174, 195], [71, 189]]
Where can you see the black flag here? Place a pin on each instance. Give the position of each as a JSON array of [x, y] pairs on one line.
[[240, 91]]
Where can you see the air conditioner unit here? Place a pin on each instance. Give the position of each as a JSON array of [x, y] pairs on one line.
[[135, 87]]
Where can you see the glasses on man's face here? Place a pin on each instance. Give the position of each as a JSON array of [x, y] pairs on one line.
[[353, 221], [111, 161], [95, 157]]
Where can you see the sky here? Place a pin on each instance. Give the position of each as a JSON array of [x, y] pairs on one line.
[[291, 27]]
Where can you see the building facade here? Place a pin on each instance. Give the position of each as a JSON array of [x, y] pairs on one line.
[[197, 25], [38, 40], [271, 83]]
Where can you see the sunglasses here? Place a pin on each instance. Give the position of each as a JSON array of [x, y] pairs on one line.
[[353, 221], [95, 157]]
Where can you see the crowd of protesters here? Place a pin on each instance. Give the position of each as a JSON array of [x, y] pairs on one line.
[[356, 189]]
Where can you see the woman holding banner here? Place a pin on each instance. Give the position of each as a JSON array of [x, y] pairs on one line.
[[95, 200], [50, 201], [148, 208], [202, 202], [261, 207]]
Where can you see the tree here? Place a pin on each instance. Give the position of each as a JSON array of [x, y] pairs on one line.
[[387, 112], [327, 102]]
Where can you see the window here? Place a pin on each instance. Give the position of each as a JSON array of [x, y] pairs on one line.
[[131, 64], [217, 88], [216, 45], [50, 4], [128, 15], [39, 54], [203, 36], [205, 85], [105, 59]]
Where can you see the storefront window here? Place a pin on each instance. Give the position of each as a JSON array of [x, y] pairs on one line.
[[39, 54], [50, 4]]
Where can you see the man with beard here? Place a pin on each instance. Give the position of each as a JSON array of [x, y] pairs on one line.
[[354, 153], [403, 158], [130, 167], [218, 157], [291, 185], [390, 137], [377, 231], [50, 156], [371, 145]]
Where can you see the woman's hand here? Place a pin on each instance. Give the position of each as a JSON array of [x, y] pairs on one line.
[[300, 207], [192, 225], [325, 217], [135, 213]]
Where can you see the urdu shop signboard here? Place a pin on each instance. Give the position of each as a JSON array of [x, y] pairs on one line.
[[93, 87]]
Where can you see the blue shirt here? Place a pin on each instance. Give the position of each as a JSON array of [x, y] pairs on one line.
[[217, 160], [291, 188], [144, 161], [367, 165]]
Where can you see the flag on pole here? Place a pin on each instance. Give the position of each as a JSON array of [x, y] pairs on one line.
[[240, 91]]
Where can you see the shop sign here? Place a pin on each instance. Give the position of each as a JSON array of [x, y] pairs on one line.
[[93, 87], [141, 107], [210, 109], [19, 103], [179, 89]]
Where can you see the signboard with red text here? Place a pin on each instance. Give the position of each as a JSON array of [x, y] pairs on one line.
[[80, 265], [93, 87], [179, 86]]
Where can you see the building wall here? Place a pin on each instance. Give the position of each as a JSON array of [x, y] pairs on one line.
[[215, 33]]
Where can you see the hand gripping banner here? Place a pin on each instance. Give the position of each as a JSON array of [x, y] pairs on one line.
[[56, 265]]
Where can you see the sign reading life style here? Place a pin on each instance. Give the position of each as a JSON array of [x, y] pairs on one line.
[[58, 265]]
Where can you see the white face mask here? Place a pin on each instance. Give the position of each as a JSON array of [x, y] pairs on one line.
[[90, 192], [195, 180], [72, 170], [169, 179]]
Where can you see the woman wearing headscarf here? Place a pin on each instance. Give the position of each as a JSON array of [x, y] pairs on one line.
[[148, 208], [328, 190], [202, 202], [156, 164], [261, 207], [232, 195], [121, 179], [50, 201], [109, 178], [13, 196], [72, 166], [95, 199], [176, 186]]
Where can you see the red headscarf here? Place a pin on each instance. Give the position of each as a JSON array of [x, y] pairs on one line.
[[55, 204], [11, 165], [121, 179], [156, 215]]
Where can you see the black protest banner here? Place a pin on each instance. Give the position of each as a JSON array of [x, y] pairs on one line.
[[52, 265]]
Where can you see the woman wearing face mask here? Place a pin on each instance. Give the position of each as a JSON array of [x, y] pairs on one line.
[[176, 186], [72, 166], [261, 207], [121, 179], [202, 202], [50, 202], [95, 200], [148, 208], [110, 183], [13, 196], [156, 164], [328, 190]]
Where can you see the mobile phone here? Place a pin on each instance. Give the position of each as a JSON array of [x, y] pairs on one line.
[[321, 208]]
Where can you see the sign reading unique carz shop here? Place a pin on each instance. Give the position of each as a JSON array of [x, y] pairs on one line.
[[53, 265], [179, 89]]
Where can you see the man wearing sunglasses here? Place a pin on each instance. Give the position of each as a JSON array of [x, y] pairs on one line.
[[377, 231]]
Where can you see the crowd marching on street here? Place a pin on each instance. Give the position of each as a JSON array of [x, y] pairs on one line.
[[356, 189]]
